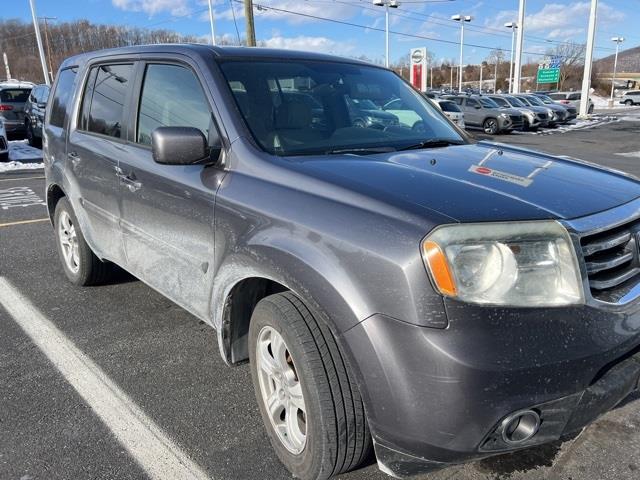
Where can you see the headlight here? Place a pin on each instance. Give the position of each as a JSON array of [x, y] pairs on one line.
[[517, 264], [505, 116]]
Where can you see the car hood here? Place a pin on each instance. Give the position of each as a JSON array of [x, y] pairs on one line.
[[478, 182]]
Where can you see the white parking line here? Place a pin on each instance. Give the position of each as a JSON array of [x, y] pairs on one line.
[[143, 439]]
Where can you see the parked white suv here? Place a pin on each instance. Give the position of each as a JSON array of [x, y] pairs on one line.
[[630, 98]]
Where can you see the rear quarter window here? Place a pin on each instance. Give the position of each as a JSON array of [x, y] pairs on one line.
[[62, 95]]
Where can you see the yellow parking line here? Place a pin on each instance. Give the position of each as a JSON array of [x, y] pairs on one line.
[[20, 178], [22, 222]]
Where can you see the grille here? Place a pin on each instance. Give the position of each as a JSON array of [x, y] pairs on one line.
[[542, 116], [612, 263], [516, 118]]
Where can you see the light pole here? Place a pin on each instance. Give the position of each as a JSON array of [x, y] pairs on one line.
[[513, 26], [517, 71], [211, 22], [588, 59], [387, 4], [43, 61], [618, 41], [462, 19], [480, 89]]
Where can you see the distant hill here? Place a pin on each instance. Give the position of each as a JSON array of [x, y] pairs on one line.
[[628, 61]]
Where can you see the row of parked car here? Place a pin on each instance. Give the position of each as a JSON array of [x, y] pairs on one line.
[[22, 108], [504, 113]]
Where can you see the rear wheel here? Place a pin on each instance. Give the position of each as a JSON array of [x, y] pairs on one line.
[[80, 264], [490, 126], [31, 137], [310, 406], [4, 157], [628, 103]]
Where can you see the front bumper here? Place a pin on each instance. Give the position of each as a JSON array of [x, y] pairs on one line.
[[437, 397]]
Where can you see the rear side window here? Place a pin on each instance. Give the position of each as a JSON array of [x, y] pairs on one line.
[[171, 97], [14, 95], [449, 107], [472, 103], [61, 96], [104, 99]]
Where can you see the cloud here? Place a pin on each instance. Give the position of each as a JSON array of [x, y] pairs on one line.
[[337, 10], [554, 18], [152, 7], [315, 44]]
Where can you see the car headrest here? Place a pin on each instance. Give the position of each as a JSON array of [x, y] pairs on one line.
[[293, 114]]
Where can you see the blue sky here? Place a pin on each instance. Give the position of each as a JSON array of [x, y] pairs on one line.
[[547, 23]]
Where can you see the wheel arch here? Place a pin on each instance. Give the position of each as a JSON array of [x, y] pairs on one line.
[[54, 194]]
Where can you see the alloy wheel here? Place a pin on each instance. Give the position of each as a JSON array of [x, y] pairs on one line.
[[281, 390], [68, 241]]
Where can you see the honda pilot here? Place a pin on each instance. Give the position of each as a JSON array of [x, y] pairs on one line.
[[395, 286]]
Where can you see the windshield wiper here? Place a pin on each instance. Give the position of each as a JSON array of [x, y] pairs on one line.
[[360, 150], [432, 143]]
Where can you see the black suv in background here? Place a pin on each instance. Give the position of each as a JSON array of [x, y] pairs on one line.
[[34, 109], [410, 289]]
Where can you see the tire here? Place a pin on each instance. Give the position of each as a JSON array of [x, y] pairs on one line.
[[80, 264], [336, 433], [490, 126], [4, 157], [31, 137], [590, 111], [628, 103]]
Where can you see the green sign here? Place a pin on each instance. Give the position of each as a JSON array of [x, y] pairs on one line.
[[548, 75]]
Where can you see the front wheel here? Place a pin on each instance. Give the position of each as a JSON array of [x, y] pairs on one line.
[[80, 264], [490, 126], [4, 156], [310, 406], [628, 103]]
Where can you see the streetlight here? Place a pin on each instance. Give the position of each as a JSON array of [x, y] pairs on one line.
[[461, 19], [387, 4], [618, 41], [513, 26], [212, 24]]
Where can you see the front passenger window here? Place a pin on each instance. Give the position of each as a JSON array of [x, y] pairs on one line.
[[171, 97]]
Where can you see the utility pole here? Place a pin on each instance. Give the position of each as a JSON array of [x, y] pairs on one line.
[[43, 61], [495, 78], [519, 41], [46, 41], [588, 58], [462, 19], [513, 26], [618, 41], [249, 24], [481, 77], [6, 65], [211, 22]]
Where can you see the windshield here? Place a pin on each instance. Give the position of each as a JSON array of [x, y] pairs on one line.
[[516, 102], [308, 107], [501, 101], [535, 100], [545, 99], [14, 95], [488, 103]]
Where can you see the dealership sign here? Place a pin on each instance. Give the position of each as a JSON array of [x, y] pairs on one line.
[[549, 70], [418, 72]]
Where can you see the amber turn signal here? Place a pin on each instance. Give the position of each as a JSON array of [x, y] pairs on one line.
[[439, 267]]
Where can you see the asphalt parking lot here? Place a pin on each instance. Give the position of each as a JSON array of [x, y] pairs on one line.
[[131, 365]]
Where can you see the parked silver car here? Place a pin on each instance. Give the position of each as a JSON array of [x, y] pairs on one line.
[[13, 96], [559, 114], [484, 113], [570, 98], [534, 117], [451, 110], [630, 98]]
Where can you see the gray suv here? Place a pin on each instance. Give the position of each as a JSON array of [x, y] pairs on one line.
[[404, 289], [482, 112]]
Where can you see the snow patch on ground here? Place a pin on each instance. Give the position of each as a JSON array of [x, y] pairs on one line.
[[594, 121], [629, 154], [22, 157]]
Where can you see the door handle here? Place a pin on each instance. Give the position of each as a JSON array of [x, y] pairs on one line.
[[74, 157], [128, 180]]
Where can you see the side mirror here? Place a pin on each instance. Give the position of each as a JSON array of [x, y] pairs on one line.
[[179, 146]]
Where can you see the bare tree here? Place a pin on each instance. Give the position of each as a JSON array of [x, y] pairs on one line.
[[572, 63]]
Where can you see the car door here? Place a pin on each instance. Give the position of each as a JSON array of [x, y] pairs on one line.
[[95, 147], [473, 113], [167, 210]]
